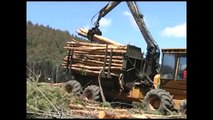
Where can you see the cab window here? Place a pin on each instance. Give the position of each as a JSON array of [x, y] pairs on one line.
[[168, 66], [182, 68]]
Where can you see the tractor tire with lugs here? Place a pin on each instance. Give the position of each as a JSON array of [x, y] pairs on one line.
[[160, 100], [92, 92], [183, 107], [73, 86]]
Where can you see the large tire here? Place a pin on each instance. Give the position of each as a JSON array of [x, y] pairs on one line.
[[92, 92], [160, 100], [183, 107], [73, 86]]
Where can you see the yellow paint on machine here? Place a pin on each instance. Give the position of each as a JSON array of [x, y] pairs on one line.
[[136, 93]]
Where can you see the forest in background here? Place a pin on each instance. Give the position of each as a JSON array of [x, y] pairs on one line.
[[45, 51]]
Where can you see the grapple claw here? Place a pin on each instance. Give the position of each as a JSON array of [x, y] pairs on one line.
[[92, 32]]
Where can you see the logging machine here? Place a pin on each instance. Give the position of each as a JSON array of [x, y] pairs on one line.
[[135, 81]]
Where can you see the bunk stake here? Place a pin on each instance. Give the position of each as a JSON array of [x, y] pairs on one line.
[[68, 61], [110, 61], [105, 60]]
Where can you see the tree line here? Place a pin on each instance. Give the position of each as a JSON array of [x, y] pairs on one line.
[[45, 51]]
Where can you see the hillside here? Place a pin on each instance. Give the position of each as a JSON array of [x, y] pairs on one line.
[[45, 50]]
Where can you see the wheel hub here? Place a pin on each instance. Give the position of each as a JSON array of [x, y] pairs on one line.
[[154, 103], [88, 95], [68, 88]]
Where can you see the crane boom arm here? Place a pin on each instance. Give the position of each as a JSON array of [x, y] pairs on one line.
[[105, 10], [153, 50], [141, 24]]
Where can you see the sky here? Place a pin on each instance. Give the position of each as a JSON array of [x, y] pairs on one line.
[[166, 21]]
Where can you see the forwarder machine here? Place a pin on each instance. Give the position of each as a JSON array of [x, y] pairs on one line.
[[142, 79]]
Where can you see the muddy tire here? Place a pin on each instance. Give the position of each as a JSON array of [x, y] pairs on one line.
[[92, 92], [73, 86], [160, 100], [183, 107]]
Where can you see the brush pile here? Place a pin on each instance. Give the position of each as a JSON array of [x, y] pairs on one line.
[[47, 100], [50, 100]]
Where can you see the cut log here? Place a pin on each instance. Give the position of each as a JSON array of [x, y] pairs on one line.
[[84, 113], [101, 56], [85, 63], [90, 58], [138, 116], [94, 49], [83, 69], [98, 38], [97, 57], [92, 62], [96, 52], [94, 44], [101, 114], [101, 38], [96, 70], [112, 115], [78, 106], [94, 58], [97, 47], [93, 68], [90, 72]]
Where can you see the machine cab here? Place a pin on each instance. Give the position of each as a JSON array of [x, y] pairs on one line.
[[173, 73]]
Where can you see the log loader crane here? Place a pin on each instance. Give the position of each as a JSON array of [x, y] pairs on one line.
[[151, 66]]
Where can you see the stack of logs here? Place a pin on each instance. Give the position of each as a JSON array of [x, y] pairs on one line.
[[90, 58]]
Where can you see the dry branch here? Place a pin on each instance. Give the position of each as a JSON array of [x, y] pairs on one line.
[[79, 107], [45, 97]]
